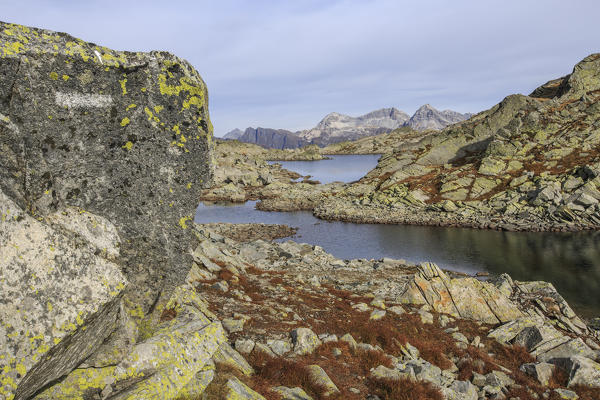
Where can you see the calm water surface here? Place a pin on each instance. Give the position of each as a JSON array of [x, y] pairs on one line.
[[344, 168], [571, 261]]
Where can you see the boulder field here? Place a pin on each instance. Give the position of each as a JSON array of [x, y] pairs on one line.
[[108, 290]]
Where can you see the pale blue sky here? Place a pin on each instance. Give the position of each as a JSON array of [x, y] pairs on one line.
[[285, 64]]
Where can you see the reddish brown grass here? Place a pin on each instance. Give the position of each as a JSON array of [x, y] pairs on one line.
[[404, 389]]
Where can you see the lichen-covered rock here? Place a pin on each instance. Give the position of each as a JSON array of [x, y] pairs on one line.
[[125, 136], [287, 393], [305, 341], [461, 297], [237, 390], [163, 365], [581, 370], [318, 377], [58, 300]]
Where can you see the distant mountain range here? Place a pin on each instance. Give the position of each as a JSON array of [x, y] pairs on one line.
[[335, 127]]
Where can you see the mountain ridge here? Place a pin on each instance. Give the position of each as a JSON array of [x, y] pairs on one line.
[[337, 127]]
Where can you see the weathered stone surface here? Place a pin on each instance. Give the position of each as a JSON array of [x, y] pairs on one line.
[[287, 393], [305, 341], [51, 298], [460, 390], [581, 370], [540, 371], [573, 347], [230, 358], [237, 390], [463, 297], [124, 136], [163, 365], [319, 377]]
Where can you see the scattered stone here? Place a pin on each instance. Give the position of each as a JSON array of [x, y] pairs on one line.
[[236, 389], [540, 371], [244, 346], [362, 307], [319, 377], [377, 314], [280, 347], [233, 325], [378, 302], [566, 394], [398, 310], [350, 340], [305, 341], [221, 286], [287, 393]]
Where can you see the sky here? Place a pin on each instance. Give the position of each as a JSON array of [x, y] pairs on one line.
[[286, 64]]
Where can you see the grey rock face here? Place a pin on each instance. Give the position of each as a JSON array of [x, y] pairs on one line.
[[58, 301], [336, 127], [427, 117], [233, 134], [272, 138], [125, 136]]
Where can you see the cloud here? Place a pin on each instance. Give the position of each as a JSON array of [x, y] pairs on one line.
[[286, 64]]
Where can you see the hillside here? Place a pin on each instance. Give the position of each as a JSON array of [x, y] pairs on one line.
[[528, 163]]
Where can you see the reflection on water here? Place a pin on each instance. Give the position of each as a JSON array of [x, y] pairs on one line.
[[571, 261], [344, 168]]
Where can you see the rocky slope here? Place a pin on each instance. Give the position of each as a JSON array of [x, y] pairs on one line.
[[378, 144], [529, 163], [336, 128], [314, 327]]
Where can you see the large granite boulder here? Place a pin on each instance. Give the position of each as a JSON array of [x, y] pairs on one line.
[[59, 299], [123, 135], [103, 155]]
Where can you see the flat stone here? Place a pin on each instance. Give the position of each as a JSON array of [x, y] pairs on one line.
[[244, 346], [377, 314], [233, 325]]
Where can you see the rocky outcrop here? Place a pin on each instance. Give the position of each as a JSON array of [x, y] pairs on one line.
[[463, 298], [102, 158], [125, 136]]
